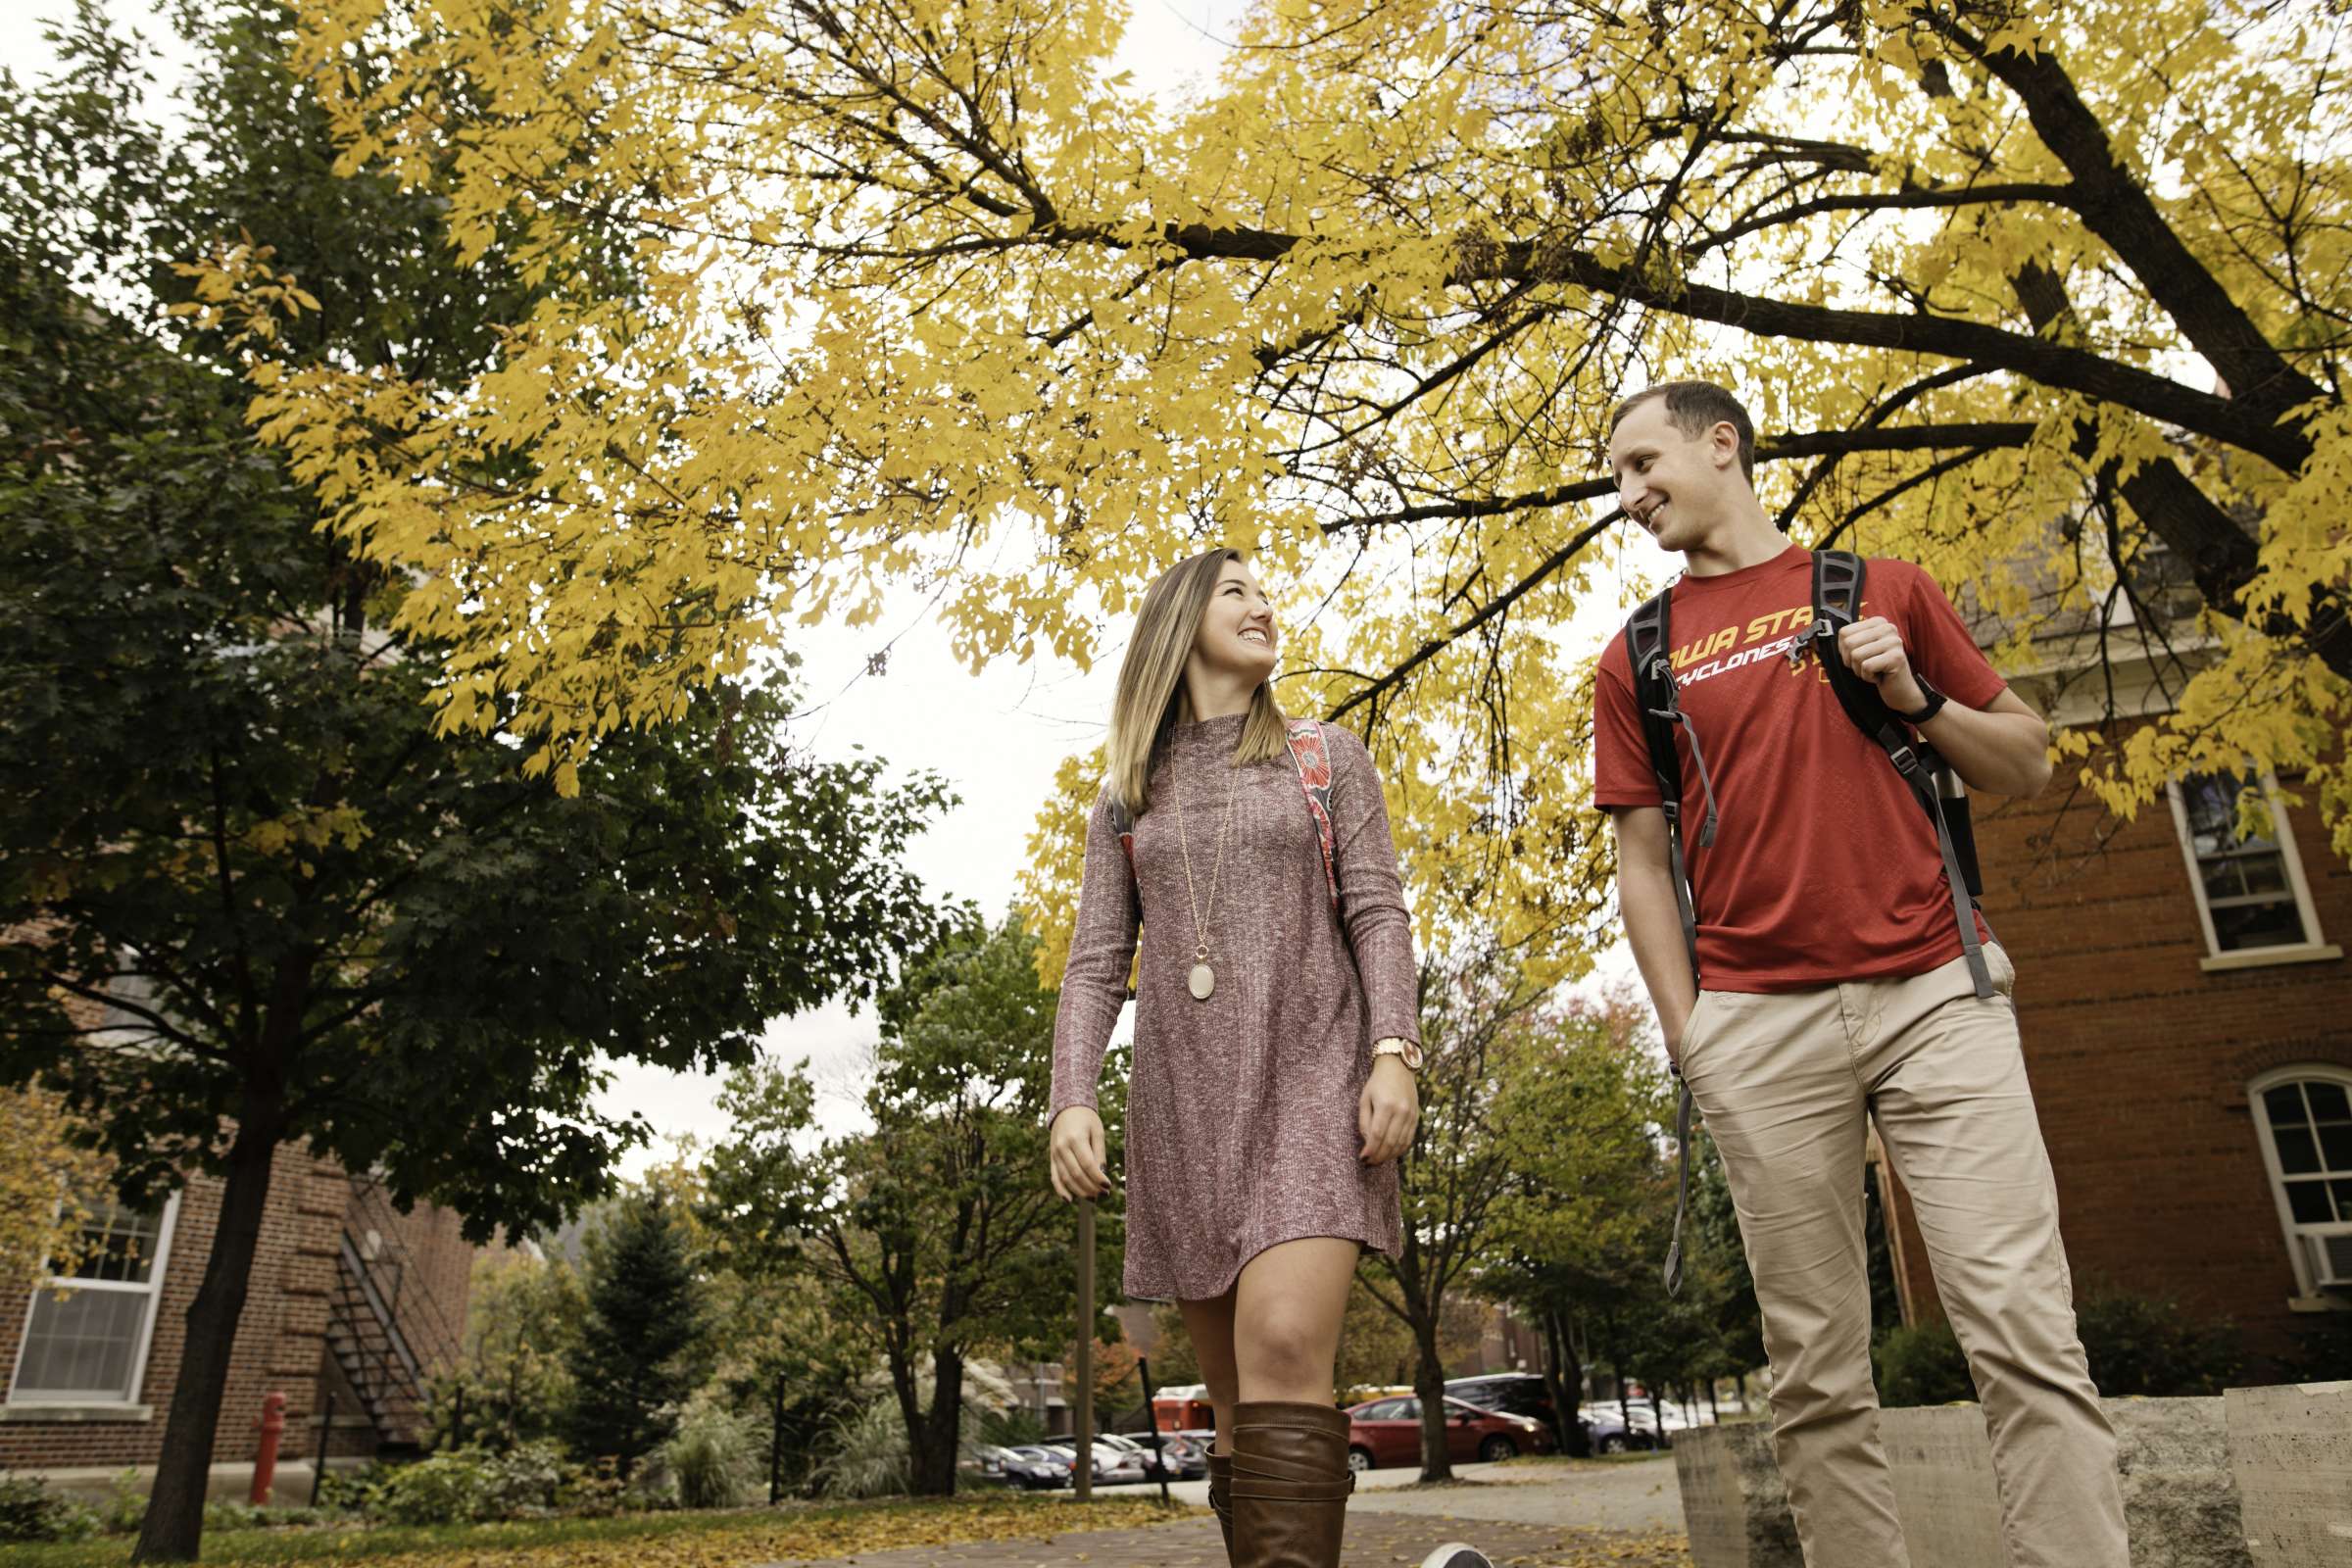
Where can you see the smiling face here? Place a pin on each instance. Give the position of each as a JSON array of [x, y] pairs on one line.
[[1237, 635], [1678, 487]]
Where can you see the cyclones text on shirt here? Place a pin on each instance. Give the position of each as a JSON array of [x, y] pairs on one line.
[[1689, 669]]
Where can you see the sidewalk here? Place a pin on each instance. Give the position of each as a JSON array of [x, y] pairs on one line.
[[1374, 1540], [1623, 1515]]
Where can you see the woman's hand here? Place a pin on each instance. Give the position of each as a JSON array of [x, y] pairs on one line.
[[1074, 1147], [1387, 1111]]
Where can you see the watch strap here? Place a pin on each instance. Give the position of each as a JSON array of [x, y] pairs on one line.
[[1934, 703]]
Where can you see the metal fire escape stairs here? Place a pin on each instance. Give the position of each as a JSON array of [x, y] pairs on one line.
[[384, 1336]]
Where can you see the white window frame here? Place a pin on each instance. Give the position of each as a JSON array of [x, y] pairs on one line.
[[2312, 949], [2307, 1296], [151, 1288]]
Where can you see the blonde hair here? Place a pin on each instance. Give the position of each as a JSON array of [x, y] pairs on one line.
[[1151, 699]]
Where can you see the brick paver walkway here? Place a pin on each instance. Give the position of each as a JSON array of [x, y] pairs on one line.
[[1374, 1540]]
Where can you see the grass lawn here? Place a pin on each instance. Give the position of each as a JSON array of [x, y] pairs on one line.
[[729, 1540]]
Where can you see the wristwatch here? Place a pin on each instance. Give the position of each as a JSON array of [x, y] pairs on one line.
[[1403, 1051], [1935, 705]]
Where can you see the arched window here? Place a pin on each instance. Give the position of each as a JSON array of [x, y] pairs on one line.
[[2305, 1117]]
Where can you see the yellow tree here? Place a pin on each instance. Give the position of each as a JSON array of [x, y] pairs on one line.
[[929, 293], [47, 1185]]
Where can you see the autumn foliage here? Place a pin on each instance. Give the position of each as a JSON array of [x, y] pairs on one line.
[[926, 291]]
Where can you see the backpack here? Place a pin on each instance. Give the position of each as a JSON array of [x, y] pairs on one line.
[[1838, 582], [1313, 762]]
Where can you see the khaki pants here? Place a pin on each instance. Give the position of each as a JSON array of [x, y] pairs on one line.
[[1785, 1082]]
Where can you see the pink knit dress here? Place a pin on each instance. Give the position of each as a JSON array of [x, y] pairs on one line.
[[1242, 1110]]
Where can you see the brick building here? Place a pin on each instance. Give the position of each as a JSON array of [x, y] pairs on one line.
[[351, 1304], [2186, 1012]]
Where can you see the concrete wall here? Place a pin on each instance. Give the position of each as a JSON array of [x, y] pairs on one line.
[[2180, 1502], [2290, 1449]]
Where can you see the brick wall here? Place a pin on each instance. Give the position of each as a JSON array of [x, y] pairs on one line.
[[280, 1343], [2139, 1058]]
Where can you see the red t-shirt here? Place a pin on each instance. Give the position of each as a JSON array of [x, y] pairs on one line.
[[1824, 867]]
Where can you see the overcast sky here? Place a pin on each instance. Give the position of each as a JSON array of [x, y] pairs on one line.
[[997, 735]]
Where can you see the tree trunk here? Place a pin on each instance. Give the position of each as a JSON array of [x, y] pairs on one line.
[[1563, 1380], [1429, 1382], [173, 1529], [938, 1436]]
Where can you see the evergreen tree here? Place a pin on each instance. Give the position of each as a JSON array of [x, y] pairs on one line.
[[633, 1365]]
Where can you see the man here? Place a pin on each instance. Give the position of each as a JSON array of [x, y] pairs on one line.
[[1834, 987]]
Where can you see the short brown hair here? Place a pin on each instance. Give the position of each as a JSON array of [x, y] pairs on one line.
[[1696, 408]]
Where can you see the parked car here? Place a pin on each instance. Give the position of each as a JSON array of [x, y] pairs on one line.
[[1385, 1432], [1140, 1450], [1034, 1467], [1524, 1394], [1182, 1457], [1113, 1466], [1608, 1434], [1512, 1393]]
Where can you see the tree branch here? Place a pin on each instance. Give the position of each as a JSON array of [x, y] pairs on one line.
[[1807, 444], [2227, 419], [2115, 207]]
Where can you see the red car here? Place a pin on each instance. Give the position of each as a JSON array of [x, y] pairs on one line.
[[1389, 1432]]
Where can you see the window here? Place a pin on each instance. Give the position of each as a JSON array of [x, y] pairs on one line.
[[2251, 896], [2305, 1115], [86, 1334]]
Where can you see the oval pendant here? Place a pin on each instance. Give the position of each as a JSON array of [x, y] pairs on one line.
[[1204, 981]]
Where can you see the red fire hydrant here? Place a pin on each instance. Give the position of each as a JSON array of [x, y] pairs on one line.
[[264, 1458]]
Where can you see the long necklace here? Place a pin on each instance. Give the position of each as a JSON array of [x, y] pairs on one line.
[[1202, 979]]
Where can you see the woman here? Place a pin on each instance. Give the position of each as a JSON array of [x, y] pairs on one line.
[[1275, 1039]]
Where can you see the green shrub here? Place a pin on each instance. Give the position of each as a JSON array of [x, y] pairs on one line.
[[124, 1508], [717, 1455], [2322, 1352], [227, 1515], [1012, 1427], [441, 1488], [528, 1481], [1921, 1365], [866, 1456], [354, 1491], [30, 1511], [2143, 1344]]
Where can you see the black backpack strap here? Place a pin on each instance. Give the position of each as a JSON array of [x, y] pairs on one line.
[[1839, 576], [1658, 698], [1646, 640]]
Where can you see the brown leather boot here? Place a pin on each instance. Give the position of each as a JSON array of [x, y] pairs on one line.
[[1220, 1496], [1290, 1484]]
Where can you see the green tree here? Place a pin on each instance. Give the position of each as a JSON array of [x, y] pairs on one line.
[[1577, 1227], [936, 1234], [632, 1363], [511, 1382], [230, 830], [1479, 1011]]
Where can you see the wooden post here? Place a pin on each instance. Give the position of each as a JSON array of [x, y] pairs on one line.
[[1159, 1457], [326, 1426], [775, 1448], [1082, 1477]]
